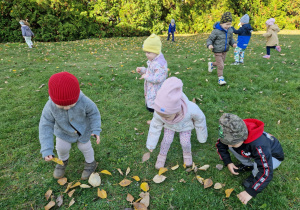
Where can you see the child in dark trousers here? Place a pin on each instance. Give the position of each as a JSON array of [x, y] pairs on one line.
[[253, 147], [172, 29], [272, 38]]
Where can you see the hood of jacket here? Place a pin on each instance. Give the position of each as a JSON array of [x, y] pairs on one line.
[[274, 28], [255, 129], [217, 25]]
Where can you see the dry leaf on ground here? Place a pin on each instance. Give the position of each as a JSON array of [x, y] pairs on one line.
[[58, 161], [75, 185], [120, 171], [129, 198], [136, 178], [188, 169], [228, 192], [175, 167], [70, 194], [159, 178], [207, 183], [95, 180], [146, 198], [68, 187], [182, 180], [125, 182], [184, 166], [62, 181], [204, 168], [218, 186], [193, 166], [144, 186], [85, 186], [102, 193], [105, 172], [194, 100], [71, 202], [200, 179], [162, 170], [127, 171], [146, 157], [195, 169], [219, 166], [48, 194], [50, 205], [59, 200], [139, 206]]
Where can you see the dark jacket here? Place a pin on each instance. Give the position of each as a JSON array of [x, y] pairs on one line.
[[261, 147], [220, 39], [26, 31], [172, 29], [244, 33]]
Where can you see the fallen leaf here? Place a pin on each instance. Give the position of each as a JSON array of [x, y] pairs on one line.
[[102, 193], [193, 166], [120, 171], [207, 183], [42, 85], [204, 168], [146, 198], [162, 170], [218, 186], [59, 200], [146, 157], [105, 172], [194, 100], [228, 192], [50, 205], [62, 181], [71, 202], [127, 171], [139, 206], [159, 178], [125, 182], [136, 178], [75, 185], [175, 167], [188, 169], [129, 198], [184, 166], [70, 194], [219, 166], [278, 122], [144, 186], [85, 186], [58, 161], [177, 73], [200, 179], [48, 194], [68, 187], [195, 169], [138, 200], [94, 180]]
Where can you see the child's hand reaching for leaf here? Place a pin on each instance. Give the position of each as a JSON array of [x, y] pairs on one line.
[[244, 197], [231, 168], [97, 138], [48, 158], [138, 69]]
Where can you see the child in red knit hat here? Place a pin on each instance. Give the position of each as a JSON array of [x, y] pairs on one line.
[[72, 117]]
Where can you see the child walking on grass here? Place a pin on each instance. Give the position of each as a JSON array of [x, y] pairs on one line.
[[175, 113], [244, 35], [257, 150], [72, 117], [272, 38], [156, 72], [26, 32], [218, 41], [172, 29]]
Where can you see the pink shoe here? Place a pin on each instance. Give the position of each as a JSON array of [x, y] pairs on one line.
[[278, 48], [266, 56], [188, 159], [160, 162]]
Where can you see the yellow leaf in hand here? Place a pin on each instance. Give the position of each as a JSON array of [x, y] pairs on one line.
[[58, 161], [144, 186], [102, 193], [162, 170], [136, 178], [228, 192], [105, 172]]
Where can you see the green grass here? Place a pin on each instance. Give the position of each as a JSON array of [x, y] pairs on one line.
[[268, 90]]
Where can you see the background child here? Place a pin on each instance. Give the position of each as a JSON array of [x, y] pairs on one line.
[[175, 113], [172, 29], [156, 72], [71, 117], [219, 40], [253, 147], [26, 32], [244, 35], [272, 38]]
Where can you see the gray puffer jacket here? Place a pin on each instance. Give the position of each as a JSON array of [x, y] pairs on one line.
[[220, 39]]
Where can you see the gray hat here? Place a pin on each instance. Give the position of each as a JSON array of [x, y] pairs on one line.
[[172, 21], [245, 19], [232, 129]]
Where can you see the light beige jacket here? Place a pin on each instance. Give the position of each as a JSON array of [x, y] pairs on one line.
[[271, 35]]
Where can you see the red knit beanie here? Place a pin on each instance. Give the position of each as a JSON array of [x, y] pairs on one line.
[[64, 88]]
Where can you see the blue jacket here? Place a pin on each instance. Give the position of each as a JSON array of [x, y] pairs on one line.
[[26, 31], [172, 29], [244, 35], [75, 124]]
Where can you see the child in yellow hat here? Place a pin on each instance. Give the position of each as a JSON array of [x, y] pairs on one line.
[[156, 72]]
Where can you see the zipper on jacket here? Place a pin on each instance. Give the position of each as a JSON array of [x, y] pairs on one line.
[[79, 134], [225, 40]]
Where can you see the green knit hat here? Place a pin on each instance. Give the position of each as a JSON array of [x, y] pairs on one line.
[[226, 17]]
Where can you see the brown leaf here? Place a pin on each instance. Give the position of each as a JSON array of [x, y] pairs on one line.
[[188, 169], [127, 171], [120, 171], [75, 185], [95, 180], [139, 206], [228, 192], [129, 198], [48, 194], [207, 183], [102, 193], [159, 179], [71, 202], [146, 157], [68, 187], [125, 182], [146, 198], [62, 181], [219, 166], [50, 205], [70, 194], [59, 200]]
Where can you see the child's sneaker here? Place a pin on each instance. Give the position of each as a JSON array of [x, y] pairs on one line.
[[221, 80], [210, 67], [278, 48], [266, 56], [235, 63], [59, 170], [89, 168], [188, 159], [160, 162]]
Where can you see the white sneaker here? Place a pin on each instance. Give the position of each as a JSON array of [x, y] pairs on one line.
[[221, 80], [210, 67]]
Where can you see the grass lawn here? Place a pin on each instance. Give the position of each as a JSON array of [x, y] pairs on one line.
[[268, 90]]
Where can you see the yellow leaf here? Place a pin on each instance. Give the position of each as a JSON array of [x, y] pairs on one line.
[[50, 205], [207, 183], [58, 161], [162, 170], [102, 193], [159, 178], [95, 180], [75, 185], [62, 181], [194, 165], [125, 182], [228, 192], [175, 167], [71, 202], [120, 171], [68, 187], [184, 166], [136, 178], [85, 186], [48, 194], [127, 171], [105, 172], [144, 186], [129, 198], [138, 200], [70, 194]]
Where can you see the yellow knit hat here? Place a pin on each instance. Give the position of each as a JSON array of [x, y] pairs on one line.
[[152, 44]]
